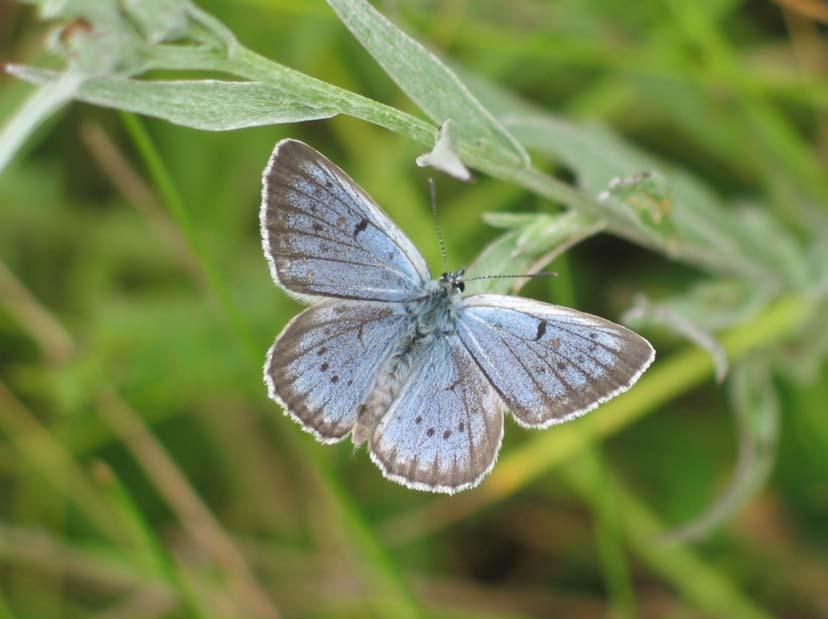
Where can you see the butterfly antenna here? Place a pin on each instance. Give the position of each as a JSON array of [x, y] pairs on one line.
[[538, 274], [433, 191]]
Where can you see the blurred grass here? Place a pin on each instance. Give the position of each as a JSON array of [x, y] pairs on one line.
[[243, 515]]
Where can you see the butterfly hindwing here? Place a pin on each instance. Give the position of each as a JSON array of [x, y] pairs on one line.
[[325, 361], [443, 431], [323, 235], [550, 363]]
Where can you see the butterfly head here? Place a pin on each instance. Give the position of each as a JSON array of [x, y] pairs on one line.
[[453, 282]]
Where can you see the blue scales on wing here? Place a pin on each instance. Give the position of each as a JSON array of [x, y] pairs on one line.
[[324, 236], [443, 431], [325, 361], [550, 363]]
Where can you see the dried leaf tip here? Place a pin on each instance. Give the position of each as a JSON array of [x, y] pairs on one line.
[[444, 156]]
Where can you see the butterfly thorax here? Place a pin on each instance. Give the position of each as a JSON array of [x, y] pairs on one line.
[[432, 316]]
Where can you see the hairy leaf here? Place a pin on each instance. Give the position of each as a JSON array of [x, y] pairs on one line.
[[430, 83], [211, 105]]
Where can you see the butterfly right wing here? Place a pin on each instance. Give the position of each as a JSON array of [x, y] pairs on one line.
[[325, 361], [323, 235], [550, 363]]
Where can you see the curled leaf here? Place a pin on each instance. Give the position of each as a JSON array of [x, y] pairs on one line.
[[702, 310], [643, 312], [756, 407]]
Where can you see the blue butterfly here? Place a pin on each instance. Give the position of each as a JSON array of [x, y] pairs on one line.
[[406, 363]]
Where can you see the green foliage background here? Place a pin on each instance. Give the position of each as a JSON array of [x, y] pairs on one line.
[[144, 473]]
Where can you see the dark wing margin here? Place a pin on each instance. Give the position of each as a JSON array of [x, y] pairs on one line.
[[549, 363], [323, 236]]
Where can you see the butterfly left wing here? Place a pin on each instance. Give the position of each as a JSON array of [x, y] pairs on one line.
[[324, 236], [325, 361], [549, 363], [443, 431]]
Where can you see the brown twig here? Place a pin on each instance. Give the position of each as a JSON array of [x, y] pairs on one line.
[[48, 333]]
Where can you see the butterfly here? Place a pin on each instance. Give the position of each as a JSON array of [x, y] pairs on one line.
[[405, 363]]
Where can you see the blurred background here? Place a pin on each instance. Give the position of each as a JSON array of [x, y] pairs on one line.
[[144, 472]]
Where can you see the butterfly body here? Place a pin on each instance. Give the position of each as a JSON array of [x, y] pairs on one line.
[[405, 364]]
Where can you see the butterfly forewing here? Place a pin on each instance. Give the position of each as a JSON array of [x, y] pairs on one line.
[[443, 431], [325, 361], [323, 236], [550, 363]]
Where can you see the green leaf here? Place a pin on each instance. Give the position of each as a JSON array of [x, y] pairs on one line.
[[717, 304], [210, 105], [768, 240], [534, 241], [644, 199], [434, 87], [159, 20], [666, 208], [803, 357], [44, 102], [756, 407], [705, 308], [649, 314], [698, 223]]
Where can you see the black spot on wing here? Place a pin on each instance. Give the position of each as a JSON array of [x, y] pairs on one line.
[[360, 227], [541, 330]]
